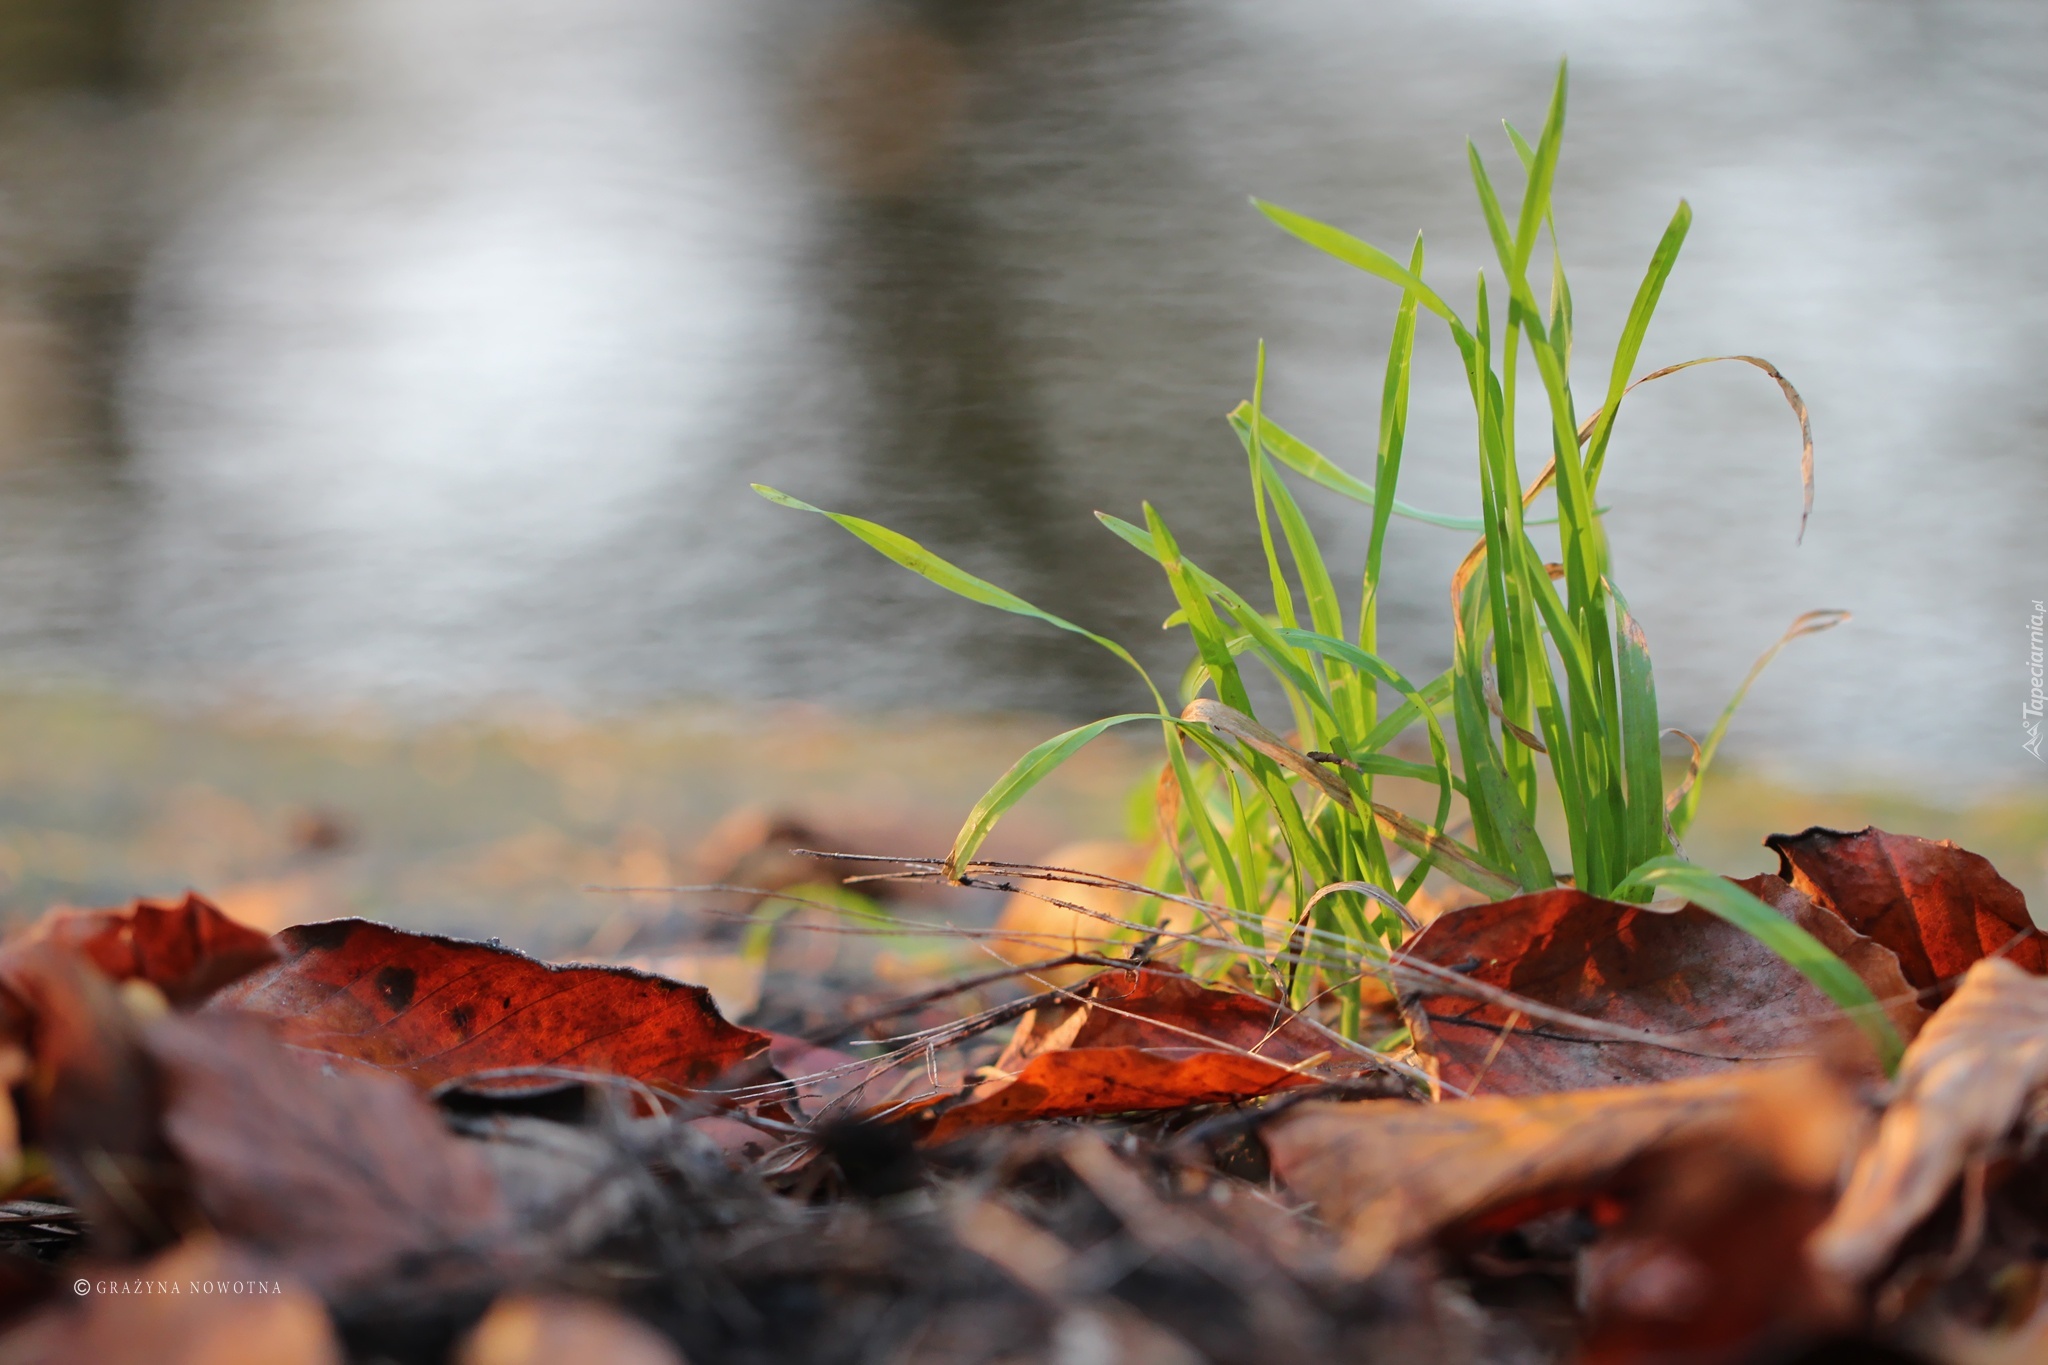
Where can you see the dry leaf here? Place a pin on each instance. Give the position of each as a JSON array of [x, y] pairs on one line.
[[1937, 906], [1964, 1083], [1390, 1174], [337, 1172], [203, 1302], [544, 1330], [1077, 1082], [187, 949], [1160, 1007], [1689, 976], [91, 1100], [1132, 1039], [436, 1009]]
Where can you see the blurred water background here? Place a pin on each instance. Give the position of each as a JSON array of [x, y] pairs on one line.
[[409, 359]]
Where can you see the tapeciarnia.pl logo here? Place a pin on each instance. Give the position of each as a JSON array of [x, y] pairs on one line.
[[2037, 698]]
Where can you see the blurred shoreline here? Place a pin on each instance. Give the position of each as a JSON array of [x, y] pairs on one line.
[[500, 823]]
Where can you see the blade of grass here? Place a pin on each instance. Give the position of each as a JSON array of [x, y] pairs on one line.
[[914, 557]]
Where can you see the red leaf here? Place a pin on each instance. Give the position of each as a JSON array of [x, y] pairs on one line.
[[1937, 906], [1688, 974], [1157, 1006], [1112, 1080], [1136, 1039], [435, 1009], [187, 949]]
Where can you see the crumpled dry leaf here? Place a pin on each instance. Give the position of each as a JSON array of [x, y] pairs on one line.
[[229, 1308], [1939, 907], [1962, 1086], [1390, 1174], [1111, 1080], [435, 1009], [1160, 1007], [1687, 975], [1133, 1039], [187, 949], [545, 1329], [339, 1173]]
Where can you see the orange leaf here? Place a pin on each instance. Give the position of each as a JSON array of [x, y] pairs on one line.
[[1690, 976], [1157, 1006], [1078, 1082], [187, 949], [1939, 907], [436, 1009]]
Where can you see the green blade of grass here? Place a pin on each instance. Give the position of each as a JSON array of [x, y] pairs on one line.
[[914, 557], [1305, 460], [1642, 759], [1210, 640], [1632, 333], [1807, 954], [1026, 773], [1367, 257]]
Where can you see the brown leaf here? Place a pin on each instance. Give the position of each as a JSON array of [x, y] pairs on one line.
[[534, 1330], [1935, 905], [1962, 1086], [434, 1009], [1076, 1082], [91, 1098], [187, 949], [1162, 1008], [337, 1172], [1689, 976], [229, 1308], [1390, 1174], [1131, 1039]]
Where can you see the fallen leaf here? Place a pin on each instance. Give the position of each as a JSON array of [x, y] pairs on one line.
[[91, 1097], [543, 1330], [203, 1302], [1939, 907], [1389, 1174], [1162, 1008], [436, 1009], [1719, 994], [1964, 1083], [339, 1173], [187, 949], [1075, 1082], [1132, 1039]]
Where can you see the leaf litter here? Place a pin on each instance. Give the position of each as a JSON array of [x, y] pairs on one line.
[[1611, 1133]]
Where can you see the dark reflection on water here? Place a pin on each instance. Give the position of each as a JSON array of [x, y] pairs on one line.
[[424, 350]]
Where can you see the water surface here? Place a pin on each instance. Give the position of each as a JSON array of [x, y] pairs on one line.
[[422, 352]]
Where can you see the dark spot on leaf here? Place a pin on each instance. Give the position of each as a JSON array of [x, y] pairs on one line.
[[396, 984], [320, 937]]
